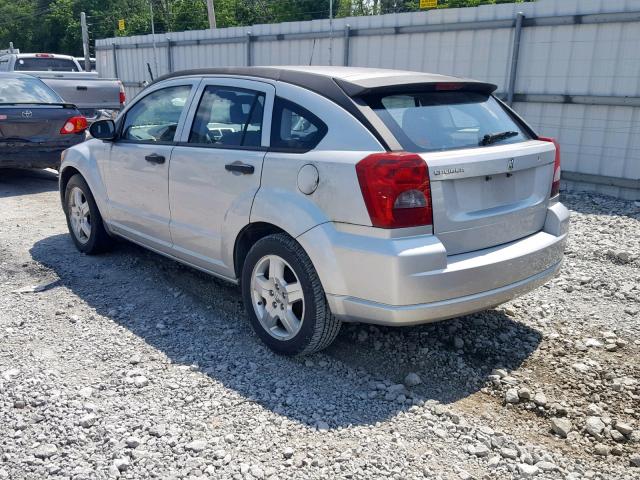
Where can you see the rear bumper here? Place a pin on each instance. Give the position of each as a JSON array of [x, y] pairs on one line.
[[35, 156], [411, 280], [359, 310]]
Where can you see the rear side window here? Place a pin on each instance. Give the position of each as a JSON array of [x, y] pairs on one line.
[[228, 117], [436, 121], [43, 64], [26, 90], [294, 128]]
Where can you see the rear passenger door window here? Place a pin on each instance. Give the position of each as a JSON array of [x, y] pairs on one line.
[[228, 117], [294, 128]]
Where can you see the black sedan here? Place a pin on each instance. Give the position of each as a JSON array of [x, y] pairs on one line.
[[36, 125]]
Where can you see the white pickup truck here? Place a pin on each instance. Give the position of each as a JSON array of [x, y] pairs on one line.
[[95, 97]]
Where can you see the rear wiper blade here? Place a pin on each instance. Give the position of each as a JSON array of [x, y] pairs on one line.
[[490, 138]]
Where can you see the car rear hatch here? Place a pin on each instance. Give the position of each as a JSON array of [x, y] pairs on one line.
[[490, 196], [490, 178]]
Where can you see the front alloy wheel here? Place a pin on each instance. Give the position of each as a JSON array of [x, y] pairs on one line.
[[79, 215], [83, 217]]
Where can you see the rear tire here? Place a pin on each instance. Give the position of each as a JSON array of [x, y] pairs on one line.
[[84, 219], [284, 298]]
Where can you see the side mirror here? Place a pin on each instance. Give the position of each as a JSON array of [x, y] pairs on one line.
[[103, 129]]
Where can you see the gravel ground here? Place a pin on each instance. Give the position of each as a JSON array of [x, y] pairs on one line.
[[129, 365]]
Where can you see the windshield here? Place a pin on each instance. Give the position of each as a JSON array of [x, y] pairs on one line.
[[26, 90], [45, 64], [436, 121]]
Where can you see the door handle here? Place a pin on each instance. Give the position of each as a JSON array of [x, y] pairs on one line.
[[155, 158], [240, 168]]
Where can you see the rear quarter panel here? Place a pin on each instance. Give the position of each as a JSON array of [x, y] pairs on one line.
[[337, 197]]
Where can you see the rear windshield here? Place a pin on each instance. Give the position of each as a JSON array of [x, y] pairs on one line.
[[43, 64], [26, 90], [436, 121]]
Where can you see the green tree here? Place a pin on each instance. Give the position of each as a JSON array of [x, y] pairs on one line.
[[54, 25]]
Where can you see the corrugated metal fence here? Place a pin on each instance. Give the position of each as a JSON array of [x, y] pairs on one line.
[[572, 67]]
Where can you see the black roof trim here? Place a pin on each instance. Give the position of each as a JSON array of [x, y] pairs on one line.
[[343, 92], [322, 84]]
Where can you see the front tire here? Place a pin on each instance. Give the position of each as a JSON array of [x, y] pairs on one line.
[[84, 219], [284, 298]]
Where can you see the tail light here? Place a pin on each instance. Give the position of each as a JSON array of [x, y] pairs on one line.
[[555, 186], [396, 189], [77, 124], [123, 95]]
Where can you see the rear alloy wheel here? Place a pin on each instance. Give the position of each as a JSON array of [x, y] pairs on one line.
[[284, 299], [84, 219], [277, 297]]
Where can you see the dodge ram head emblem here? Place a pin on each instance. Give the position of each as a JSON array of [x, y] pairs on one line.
[[510, 164], [27, 114]]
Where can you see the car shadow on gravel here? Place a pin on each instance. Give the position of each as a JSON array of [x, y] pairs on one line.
[[17, 182], [199, 321]]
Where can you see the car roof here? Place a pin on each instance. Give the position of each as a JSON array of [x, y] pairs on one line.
[[355, 81], [17, 75], [341, 85]]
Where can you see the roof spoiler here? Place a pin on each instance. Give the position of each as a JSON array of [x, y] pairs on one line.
[[412, 83]]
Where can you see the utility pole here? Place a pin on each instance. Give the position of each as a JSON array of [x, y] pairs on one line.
[[211, 13], [85, 42], [153, 39], [330, 32]]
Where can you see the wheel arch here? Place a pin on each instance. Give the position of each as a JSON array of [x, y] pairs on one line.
[[81, 160], [65, 176], [247, 237]]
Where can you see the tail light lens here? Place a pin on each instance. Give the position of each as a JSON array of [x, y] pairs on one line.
[[449, 86], [77, 124], [555, 186], [396, 189], [123, 95]]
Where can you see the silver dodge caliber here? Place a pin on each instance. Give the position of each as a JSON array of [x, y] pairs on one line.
[[328, 194]]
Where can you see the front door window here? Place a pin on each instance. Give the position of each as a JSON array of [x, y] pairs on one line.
[[154, 118]]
